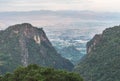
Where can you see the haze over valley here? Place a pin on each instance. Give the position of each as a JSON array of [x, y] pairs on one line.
[[65, 28]]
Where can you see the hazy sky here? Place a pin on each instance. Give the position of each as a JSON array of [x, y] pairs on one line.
[[28, 5]]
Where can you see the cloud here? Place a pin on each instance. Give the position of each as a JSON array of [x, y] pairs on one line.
[[105, 5], [26, 5], [23, 5]]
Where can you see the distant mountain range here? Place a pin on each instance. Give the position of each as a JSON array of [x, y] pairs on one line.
[[67, 14], [46, 17]]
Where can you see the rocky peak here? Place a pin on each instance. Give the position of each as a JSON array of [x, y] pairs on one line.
[[25, 44], [26, 30]]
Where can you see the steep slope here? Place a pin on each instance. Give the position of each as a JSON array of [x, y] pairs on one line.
[[23, 44], [102, 61], [71, 53]]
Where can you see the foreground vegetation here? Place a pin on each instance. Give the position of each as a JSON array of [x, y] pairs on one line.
[[37, 73]]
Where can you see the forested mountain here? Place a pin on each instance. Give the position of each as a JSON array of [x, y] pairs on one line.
[[23, 44], [103, 56]]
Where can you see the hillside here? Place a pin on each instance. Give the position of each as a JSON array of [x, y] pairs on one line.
[[71, 53], [23, 44], [102, 61]]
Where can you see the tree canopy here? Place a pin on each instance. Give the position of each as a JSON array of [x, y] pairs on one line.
[[36, 73]]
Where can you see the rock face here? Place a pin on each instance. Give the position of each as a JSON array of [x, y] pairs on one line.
[[102, 61], [23, 44], [92, 43]]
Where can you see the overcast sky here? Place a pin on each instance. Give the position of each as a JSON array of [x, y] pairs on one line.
[[28, 5]]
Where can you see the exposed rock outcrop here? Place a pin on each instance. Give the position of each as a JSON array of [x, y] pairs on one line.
[[92, 43], [23, 44]]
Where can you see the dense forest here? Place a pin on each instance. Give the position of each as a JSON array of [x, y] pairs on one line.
[[36, 73], [102, 61]]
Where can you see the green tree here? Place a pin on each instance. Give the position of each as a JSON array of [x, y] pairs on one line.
[[37, 73]]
